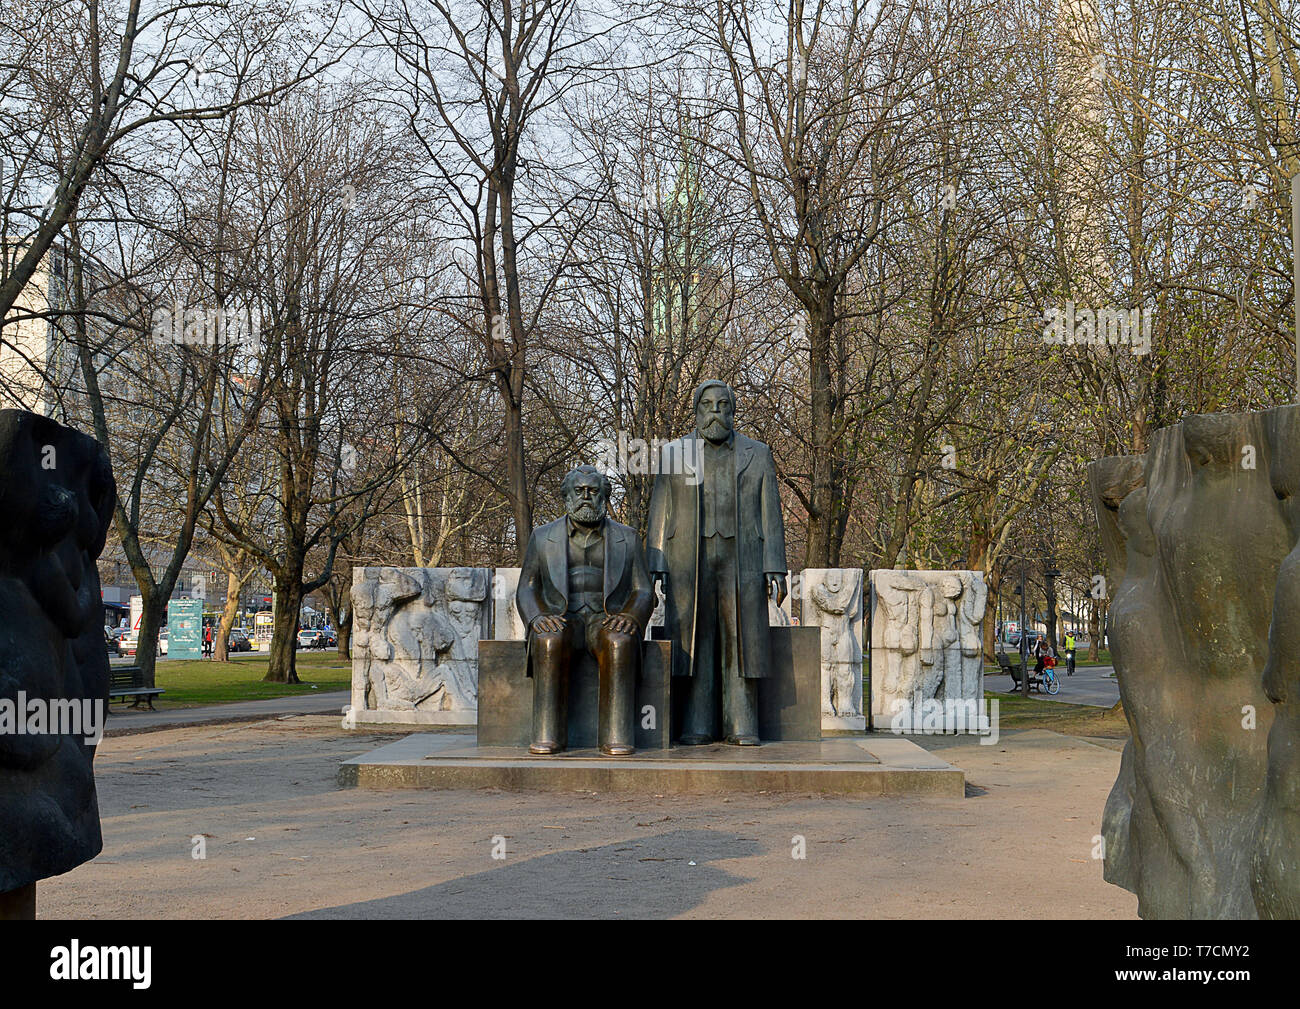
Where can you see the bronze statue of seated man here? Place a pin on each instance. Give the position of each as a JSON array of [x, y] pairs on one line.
[[584, 586]]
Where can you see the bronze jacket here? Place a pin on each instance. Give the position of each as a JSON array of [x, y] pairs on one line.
[[544, 578], [673, 540]]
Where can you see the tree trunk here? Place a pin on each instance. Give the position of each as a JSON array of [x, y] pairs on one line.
[[345, 634], [1094, 630], [991, 618], [823, 517], [220, 647], [284, 635], [517, 477], [146, 647], [1049, 617]]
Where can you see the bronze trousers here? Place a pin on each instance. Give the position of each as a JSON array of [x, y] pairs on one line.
[[617, 655]]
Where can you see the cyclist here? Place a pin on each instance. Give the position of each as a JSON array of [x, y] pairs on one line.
[[1069, 653]]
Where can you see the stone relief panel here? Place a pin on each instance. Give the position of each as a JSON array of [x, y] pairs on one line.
[[926, 640], [832, 600], [415, 645]]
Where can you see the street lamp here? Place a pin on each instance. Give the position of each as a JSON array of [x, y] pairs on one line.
[[1024, 636]]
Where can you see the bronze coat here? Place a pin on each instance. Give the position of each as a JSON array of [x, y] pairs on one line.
[[673, 545], [544, 578]]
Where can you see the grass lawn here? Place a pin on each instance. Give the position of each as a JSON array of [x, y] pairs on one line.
[[192, 682], [1016, 712]]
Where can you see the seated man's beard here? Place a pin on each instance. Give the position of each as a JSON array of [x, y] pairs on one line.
[[587, 511]]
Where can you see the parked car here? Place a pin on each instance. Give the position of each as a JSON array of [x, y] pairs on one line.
[[328, 639], [309, 638], [1013, 638], [128, 642], [238, 642]]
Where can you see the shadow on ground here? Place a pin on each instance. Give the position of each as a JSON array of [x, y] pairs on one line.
[[651, 877]]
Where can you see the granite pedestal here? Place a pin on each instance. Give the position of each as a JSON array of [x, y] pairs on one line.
[[878, 764], [793, 756]]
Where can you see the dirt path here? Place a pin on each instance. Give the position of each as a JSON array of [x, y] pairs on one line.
[[282, 839]]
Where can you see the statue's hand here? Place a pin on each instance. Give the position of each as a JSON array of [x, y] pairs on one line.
[[621, 623], [776, 588], [547, 624]]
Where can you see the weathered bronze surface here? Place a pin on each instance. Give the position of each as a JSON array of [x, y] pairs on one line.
[[505, 693], [717, 541], [56, 501], [584, 588]]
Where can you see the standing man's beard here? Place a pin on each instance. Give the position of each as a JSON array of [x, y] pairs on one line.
[[715, 429]]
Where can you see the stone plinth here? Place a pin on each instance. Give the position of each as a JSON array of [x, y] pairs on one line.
[[874, 765], [788, 706], [788, 700], [507, 624]]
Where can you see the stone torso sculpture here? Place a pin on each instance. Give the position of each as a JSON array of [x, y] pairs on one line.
[[716, 537], [584, 588], [56, 502]]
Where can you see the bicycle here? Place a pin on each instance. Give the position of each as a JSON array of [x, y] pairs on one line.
[[1049, 680]]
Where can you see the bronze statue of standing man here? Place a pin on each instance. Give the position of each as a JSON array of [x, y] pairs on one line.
[[717, 539]]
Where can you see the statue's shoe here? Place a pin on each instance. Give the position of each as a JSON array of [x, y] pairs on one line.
[[743, 740], [545, 748], [695, 739], [617, 750]]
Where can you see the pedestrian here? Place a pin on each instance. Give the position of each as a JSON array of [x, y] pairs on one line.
[[1040, 653], [207, 641]]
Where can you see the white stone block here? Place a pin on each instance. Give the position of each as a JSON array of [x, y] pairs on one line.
[[415, 644], [831, 599], [927, 642]]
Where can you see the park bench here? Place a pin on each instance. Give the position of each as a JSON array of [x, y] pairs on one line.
[[1015, 671], [128, 681]]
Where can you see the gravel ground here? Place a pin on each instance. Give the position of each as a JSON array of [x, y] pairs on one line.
[[282, 839]]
